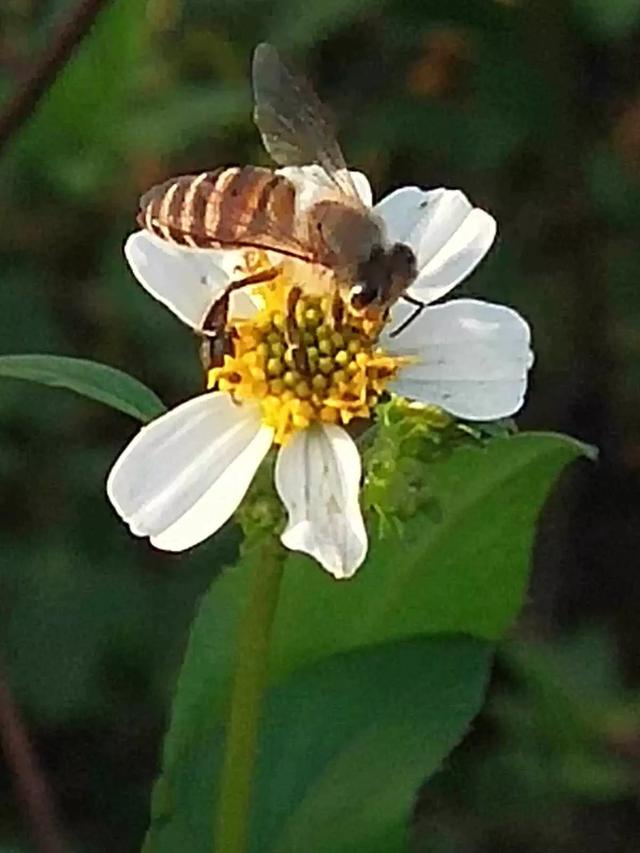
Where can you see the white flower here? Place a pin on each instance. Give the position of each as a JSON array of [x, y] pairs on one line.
[[184, 475]]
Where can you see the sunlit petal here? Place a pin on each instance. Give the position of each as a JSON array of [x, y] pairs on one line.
[[186, 281], [183, 475], [448, 235], [469, 357], [401, 212], [318, 479]]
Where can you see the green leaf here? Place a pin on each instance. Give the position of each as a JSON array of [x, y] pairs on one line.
[[345, 745], [96, 381], [464, 571], [609, 20]]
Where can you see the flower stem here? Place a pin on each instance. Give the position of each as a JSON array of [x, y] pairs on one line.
[[250, 678]]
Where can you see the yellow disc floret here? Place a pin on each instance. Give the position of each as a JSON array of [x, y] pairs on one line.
[[304, 358]]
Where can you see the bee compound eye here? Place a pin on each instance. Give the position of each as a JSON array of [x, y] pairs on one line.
[[401, 250], [403, 260]]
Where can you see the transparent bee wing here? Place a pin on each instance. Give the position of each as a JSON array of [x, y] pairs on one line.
[[292, 121]]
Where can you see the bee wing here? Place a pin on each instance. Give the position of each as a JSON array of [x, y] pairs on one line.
[[229, 208], [292, 121]]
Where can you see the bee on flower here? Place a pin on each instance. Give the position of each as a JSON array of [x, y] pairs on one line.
[[317, 304]]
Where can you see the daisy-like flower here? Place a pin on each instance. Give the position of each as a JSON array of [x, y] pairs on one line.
[[297, 376]]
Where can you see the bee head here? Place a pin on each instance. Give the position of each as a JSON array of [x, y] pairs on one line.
[[402, 262], [384, 276]]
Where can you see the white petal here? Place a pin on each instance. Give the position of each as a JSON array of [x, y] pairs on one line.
[[363, 187], [312, 184], [242, 306], [318, 479], [401, 211], [448, 235], [185, 473], [185, 280], [456, 258], [471, 358]]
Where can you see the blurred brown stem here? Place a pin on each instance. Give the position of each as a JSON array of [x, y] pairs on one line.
[[30, 784], [67, 36]]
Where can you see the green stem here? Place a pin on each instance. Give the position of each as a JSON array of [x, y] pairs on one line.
[[252, 652]]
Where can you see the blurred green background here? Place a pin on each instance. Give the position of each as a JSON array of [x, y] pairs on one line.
[[533, 108]]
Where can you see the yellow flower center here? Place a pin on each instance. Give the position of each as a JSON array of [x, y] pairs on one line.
[[304, 357]]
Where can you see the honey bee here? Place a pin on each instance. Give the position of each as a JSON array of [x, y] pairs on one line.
[[253, 207]]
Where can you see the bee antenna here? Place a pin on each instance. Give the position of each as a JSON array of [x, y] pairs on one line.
[[408, 321]]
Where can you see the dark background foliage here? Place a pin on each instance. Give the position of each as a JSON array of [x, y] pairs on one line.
[[531, 106]]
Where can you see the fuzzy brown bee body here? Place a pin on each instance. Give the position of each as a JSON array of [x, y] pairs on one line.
[[254, 207], [228, 207]]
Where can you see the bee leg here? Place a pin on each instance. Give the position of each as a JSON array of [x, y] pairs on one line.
[[337, 310], [291, 329], [254, 278], [215, 319], [206, 353], [412, 301], [420, 306], [216, 341], [213, 349], [301, 361], [216, 316]]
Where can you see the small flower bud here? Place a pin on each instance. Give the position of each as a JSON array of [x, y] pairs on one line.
[[274, 367], [302, 389]]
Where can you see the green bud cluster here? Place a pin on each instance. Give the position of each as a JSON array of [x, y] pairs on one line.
[[406, 438]]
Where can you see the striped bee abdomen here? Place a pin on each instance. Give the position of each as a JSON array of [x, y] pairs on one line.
[[235, 206]]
